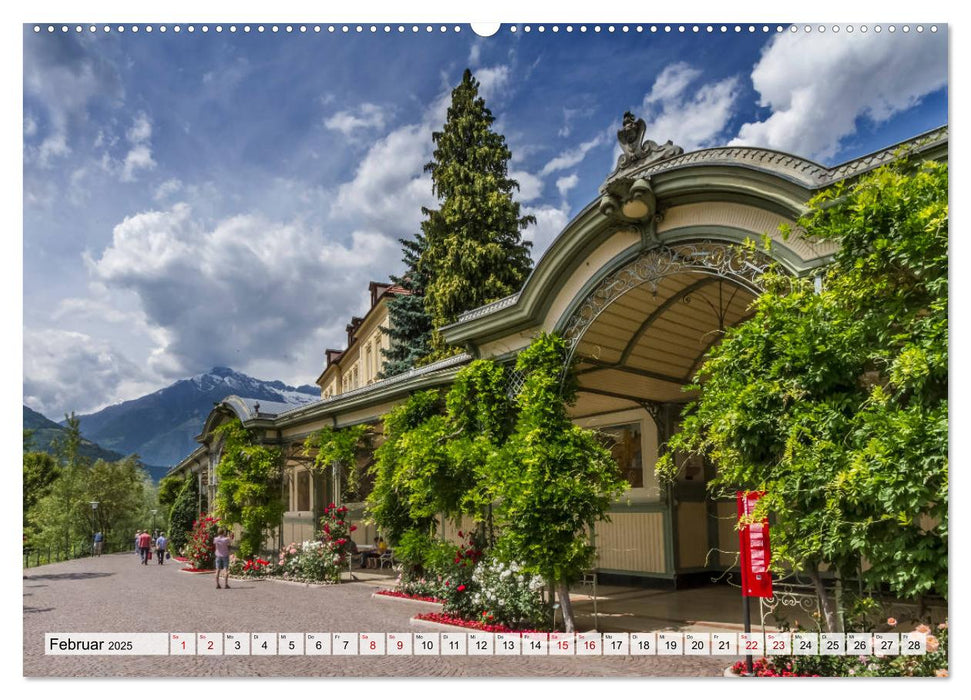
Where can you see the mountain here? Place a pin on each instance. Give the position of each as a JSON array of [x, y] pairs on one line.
[[47, 431], [160, 427]]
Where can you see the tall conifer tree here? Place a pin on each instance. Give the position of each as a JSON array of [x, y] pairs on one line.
[[410, 325], [474, 251]]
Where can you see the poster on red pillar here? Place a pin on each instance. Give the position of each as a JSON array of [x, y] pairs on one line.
[[754, 547]]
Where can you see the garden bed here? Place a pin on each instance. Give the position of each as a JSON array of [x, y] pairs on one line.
[[407, 596], [444, 619]]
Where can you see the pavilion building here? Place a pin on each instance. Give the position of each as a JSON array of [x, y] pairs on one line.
[[641, 283]]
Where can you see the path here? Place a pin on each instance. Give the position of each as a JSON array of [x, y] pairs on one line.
[[114, 593]]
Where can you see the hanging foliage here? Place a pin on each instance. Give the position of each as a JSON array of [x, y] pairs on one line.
[[249, 485], [340, 446], [388, 502], [552, 480], [834, 400]]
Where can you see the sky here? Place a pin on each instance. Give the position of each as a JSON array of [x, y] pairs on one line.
[[219, 198]]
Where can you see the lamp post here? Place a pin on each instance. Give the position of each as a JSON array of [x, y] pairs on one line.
[[154, 511]]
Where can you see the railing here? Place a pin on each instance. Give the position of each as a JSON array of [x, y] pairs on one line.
[[37, 556]]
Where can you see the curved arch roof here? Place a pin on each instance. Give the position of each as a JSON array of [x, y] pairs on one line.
[[774, 181]]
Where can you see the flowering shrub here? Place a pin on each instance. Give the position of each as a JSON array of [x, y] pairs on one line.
[[309, 561], [199, 550], [457, 588], [428, 564], [933, 663], [335, 534], [250, 568], [505, 594]]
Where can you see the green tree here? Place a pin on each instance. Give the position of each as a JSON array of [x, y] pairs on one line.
[[553, 480], [120, 490], [474, 250], [249, 485], [184, 511], [40, 473], [57, 519], [169, 488], [409, 323], [834, 401]]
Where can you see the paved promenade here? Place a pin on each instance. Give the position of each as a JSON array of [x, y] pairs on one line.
[[114, 593]]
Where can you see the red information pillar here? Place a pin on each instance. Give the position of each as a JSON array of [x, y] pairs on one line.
[[754, 548]]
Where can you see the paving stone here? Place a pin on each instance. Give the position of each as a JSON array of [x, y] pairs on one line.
[[114, 593]]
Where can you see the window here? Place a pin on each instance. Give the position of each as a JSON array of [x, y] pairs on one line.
[[624, 443], [303, 490]]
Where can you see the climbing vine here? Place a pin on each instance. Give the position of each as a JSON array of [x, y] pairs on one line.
[[248, 490], [340, 446]]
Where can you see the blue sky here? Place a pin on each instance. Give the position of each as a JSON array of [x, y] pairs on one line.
[[198, 199]]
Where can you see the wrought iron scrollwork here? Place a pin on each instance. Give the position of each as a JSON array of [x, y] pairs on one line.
[[736, 263]]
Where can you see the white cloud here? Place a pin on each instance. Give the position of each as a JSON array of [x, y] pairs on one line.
[[141, 129], [565, 184], [474, 54], [530, 186], [69, 371], [243, 290], [140, 155], [64, 76], [491, 81], [367, 116], [818, 85], [550, 221], [389, 187], [138, 158], [573, 156], [30, 125], [167, 188], [690, 118]]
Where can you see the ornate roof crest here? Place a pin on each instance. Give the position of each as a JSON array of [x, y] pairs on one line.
[[636, 148]]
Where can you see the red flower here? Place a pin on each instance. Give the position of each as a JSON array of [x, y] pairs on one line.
[[461, 587], [353, 528]]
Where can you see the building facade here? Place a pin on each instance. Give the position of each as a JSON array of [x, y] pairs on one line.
[[641, 283]]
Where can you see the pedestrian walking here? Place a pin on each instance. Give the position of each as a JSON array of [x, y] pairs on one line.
[[160, 548], [145, 546], [138, 533], [98, 543], [221, 543]]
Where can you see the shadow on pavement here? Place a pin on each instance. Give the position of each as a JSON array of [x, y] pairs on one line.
[[77, 576], [28, 609]]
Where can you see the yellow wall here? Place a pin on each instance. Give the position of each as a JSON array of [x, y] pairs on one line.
[[692, 535], [362, 361], [631, 542]]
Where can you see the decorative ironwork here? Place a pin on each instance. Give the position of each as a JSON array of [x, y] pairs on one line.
[[790, 597], [736, 263]]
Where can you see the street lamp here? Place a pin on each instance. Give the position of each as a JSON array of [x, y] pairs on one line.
[[154, 511]]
